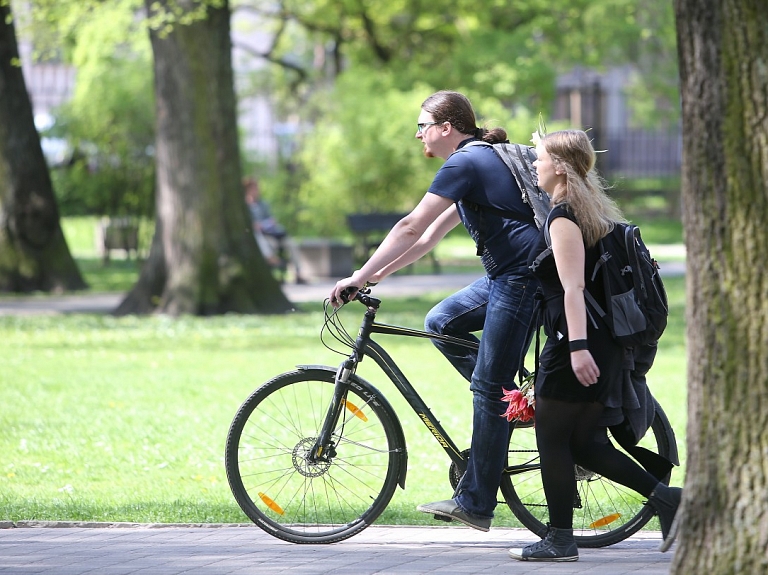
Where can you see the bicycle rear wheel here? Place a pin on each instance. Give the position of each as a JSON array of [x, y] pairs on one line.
[[604, 512], [321, 501]]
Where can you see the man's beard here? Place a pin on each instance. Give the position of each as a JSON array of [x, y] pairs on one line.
[[427, 153]]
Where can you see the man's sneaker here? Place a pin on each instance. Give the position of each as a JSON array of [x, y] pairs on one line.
[[666, 501], [558, 545], [450, 510]]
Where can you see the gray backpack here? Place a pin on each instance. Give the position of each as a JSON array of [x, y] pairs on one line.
[[519, 159]]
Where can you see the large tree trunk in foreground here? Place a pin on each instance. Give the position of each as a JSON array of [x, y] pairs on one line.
[[203, 259], [33, 252], [723, 51]]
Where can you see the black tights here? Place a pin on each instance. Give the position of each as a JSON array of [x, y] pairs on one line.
[[567, 434]]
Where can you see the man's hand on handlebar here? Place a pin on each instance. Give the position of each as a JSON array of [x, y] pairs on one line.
[[344, 291]]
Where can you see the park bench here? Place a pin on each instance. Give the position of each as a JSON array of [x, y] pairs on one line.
[[324, 258], [117, 234], [370, 229]]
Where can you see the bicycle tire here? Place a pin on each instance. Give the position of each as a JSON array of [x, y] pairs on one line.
[[604, 512], [321, 502]]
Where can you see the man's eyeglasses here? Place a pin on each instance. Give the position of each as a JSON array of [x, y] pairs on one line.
[[424, 125]]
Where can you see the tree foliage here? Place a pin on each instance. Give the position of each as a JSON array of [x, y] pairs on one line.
[[112, 108], [510, 51], [333, 57], [109, 122], [362, 156], [504, 48]]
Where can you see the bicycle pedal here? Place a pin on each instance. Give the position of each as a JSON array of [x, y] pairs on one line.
[[442, 518]]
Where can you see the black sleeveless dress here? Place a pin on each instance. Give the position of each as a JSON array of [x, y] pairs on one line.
[[555, 378]]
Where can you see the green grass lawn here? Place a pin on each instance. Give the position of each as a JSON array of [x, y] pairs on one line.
[[125, 419]]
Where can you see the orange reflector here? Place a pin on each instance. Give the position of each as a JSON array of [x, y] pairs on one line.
[[354, 409], [605, 520], [271, 504]]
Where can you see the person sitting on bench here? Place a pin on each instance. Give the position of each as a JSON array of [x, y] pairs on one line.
[[271, 237]]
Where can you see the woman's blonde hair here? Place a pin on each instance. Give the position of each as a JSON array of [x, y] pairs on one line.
[[596, 212]]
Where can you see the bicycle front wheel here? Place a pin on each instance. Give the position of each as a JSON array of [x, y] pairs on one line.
[[313, 501], [604, 512]]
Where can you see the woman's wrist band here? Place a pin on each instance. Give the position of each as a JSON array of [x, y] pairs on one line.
[[577, 344]]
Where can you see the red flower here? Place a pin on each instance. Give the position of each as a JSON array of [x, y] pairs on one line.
[[521, 403]]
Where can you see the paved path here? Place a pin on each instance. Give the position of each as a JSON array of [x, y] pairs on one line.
[[246, 550], [402, 285], [398, 285]]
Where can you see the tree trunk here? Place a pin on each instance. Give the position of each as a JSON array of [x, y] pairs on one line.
[[203, 259], [723, 54], [33, 252]]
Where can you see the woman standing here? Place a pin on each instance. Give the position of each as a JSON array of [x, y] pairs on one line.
[[581, 366]]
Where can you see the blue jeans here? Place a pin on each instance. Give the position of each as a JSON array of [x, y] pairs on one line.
[[503, 309]]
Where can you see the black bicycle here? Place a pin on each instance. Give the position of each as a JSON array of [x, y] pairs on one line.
[[315, 455]]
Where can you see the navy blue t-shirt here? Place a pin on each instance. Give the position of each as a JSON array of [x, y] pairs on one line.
[[477, 174]]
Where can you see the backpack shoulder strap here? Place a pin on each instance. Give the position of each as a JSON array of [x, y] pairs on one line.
[[548, 239], [547, 233], [604, 257], [631, 241]]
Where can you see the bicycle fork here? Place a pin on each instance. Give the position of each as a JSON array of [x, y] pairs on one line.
[[324, 448]]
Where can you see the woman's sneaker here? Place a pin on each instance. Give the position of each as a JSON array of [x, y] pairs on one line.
[[558, 545], [666, 501]]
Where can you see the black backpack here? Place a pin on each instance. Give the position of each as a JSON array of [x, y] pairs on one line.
[[635, 297], [519, 159]]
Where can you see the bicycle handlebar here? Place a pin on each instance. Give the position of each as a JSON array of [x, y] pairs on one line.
[[362, 295], [365, 290]]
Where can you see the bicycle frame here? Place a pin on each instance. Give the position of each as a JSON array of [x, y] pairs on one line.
[[365, 346]]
